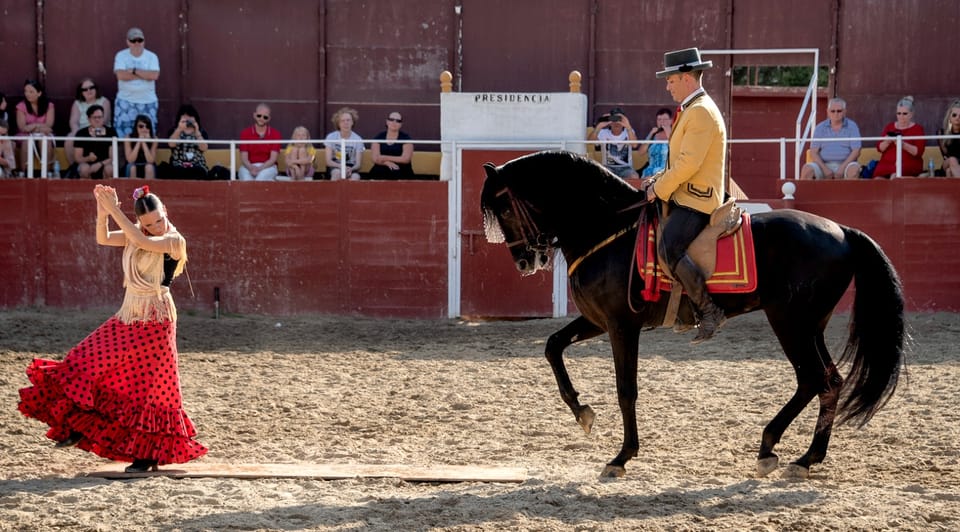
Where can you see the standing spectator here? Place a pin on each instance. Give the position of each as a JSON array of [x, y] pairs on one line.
[[259, 161], [912, 158], [299, 156], [140, 149], [657, 153], [137, 71], [35, 116], [8, 163], [94, 158], [186, 158], [344, 120], [950, 148], [693, 185], [834, 160], [391, 159], [87, 94], [117, 393], [617, 156]]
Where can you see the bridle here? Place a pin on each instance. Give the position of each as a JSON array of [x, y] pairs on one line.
[[530, 235]]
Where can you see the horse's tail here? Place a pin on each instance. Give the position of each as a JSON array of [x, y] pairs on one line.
[[875, 348]]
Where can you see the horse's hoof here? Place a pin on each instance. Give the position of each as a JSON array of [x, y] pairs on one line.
[[585, 418], [795, 472], [766, 465], [612, 471]]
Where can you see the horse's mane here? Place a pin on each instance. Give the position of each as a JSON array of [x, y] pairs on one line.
[[563, 179]]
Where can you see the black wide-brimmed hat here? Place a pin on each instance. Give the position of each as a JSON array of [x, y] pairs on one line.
[[682, 61]]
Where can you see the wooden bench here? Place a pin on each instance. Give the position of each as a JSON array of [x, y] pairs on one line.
[[870, 153]]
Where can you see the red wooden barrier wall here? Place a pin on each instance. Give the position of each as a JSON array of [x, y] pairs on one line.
[[376, 248]]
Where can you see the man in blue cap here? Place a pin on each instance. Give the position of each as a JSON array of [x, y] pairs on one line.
[[692, 185]]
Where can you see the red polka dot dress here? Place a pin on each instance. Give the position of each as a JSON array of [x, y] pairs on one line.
[[120, 386]]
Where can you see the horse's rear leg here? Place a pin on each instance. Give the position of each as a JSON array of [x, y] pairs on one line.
[[816, 376], [576, 331]]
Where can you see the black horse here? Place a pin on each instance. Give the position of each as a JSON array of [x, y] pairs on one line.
[[805, 263]]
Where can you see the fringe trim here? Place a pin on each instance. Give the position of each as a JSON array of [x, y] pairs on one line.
[[149, 306]]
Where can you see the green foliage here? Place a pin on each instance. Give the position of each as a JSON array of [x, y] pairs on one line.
[[778, 76]]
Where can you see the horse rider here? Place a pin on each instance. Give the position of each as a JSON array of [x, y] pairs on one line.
[[693, 182]]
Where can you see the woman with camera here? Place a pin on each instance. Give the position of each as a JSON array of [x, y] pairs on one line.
[[94, 158], [912, 158], [657, 152], [186, 158]]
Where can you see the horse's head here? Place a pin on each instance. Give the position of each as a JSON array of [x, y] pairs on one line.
[[513, 220]]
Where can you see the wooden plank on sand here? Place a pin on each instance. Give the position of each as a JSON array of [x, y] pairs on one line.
[[437, 473]]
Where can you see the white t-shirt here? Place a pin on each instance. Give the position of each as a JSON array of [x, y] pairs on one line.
[[136, 90], [354, 146], [616, 155]]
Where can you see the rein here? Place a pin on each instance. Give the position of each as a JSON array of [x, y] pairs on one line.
[[528, 227], [601, 245]]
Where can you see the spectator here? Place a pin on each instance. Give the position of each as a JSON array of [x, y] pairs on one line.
[[137, 71], [391, 159], [344, 120], [186, 158], [35, 116], [834, 160], [140, 149], [87, 94], [912, 158], [617, 156], [94, 158], [657, 153], [259, 161], [3, 108], [299, 156], [950, 148], [8, 163]]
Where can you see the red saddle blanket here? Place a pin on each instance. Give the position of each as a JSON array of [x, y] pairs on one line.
[[736, 270]]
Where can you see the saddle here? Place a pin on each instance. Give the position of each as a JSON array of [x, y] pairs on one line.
[[737, 261]]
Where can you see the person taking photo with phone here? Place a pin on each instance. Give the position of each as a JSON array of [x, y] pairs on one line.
[[617, 154]]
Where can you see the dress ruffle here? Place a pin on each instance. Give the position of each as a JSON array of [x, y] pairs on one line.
[[119, 387]]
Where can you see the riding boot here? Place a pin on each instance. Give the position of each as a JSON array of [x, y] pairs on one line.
[[694, 282]]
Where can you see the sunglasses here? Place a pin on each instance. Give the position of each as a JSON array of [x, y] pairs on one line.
[[96, 117], [136, 41], [90, 88], [836, 110], [142, 126], [954, 115], [900, 113], [397, 120], [265, 117]]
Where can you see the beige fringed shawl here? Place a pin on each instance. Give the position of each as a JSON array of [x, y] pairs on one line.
[[145, 298]]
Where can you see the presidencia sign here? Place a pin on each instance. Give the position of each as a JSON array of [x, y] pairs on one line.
[[513, 116]]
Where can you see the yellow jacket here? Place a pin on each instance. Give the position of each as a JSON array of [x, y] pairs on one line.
[[698, 151]]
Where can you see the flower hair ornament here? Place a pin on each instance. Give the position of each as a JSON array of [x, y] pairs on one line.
[[140, 192]]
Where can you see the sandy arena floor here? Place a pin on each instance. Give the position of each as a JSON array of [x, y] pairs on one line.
[[345, 390]]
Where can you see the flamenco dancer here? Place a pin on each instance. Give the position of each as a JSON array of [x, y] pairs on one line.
[[117, 393]]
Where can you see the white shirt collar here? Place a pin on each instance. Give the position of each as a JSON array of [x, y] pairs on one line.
[[691, 96]]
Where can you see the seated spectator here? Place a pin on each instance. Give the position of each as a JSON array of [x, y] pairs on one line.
[[950, 148], [259, 161], [35, 116], [391, 159], [186, 158], [299, 156], [94, 158], [140, 149], [834, 160], [617, 156], [87, 94], [344, 120], [912, 158], [8, 163], [657, 153], [3, 108]]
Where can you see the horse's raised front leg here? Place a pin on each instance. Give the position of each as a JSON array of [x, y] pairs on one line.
[[625, 341], [576, 331]]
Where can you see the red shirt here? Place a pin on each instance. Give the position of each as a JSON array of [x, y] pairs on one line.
[[259, 153]]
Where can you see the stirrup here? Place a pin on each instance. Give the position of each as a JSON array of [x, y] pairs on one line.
[[710, 323]]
